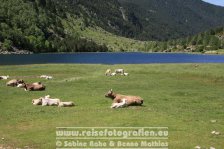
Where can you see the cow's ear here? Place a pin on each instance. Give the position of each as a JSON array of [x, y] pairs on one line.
[[111, 90]]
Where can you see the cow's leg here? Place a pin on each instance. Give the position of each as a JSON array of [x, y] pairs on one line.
[[114, 105]]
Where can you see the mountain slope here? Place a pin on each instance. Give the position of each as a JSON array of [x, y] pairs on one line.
[[165, 19], [147, 19], [100, 25], [36, 25]]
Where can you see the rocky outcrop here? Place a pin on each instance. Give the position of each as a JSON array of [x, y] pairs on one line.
[[15, 51]]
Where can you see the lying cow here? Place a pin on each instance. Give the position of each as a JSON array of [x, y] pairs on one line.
[[14, 82], [46, 77], [113, 74], [4, 77], [34, 87], [48, 101], [119, 71], [125, 74], [108, 72], [37, 86], [66, 104], [37, 101], [120, 105], [129, 100]]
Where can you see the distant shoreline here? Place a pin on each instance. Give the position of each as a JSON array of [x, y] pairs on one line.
[[25, 52]]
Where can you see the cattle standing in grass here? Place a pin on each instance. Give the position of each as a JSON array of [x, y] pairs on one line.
[[129, 100], [14, 82]]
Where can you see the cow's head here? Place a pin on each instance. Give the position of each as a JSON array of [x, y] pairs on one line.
[[37, 101], [110, 94], [21, 85], [20, 81]]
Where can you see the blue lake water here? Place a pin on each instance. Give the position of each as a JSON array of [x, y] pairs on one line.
[[110, 58]]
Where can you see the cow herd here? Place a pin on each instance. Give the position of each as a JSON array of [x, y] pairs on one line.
[[118, 100], [37, 86], [116, 72]]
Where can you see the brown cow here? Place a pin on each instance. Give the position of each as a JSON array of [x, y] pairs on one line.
[[129, 100], [37, 86]]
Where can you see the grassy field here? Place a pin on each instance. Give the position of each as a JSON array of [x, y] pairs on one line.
[[178, 96]]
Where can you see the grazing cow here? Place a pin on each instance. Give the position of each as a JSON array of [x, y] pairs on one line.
[[4, 77], [108, 72], [37, 86], [14, 82], [119, 71], [120, 105], [129, 100]]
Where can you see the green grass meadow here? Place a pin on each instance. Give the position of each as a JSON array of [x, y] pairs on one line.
[[182, 97]]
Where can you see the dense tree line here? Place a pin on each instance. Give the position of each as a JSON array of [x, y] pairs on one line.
[[206, 41], [35, 25]]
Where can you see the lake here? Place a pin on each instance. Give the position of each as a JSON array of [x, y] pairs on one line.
[[110, 58]]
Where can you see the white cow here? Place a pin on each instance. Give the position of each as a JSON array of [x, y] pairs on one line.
[[66, 104], [46, 77], [113, 74], [4, 77], [119, 71], [125, 74], [48, 101], [108, 72], [37, 101]]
